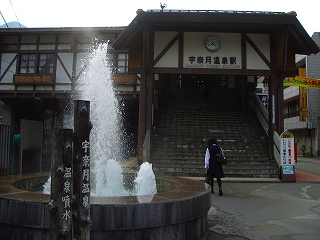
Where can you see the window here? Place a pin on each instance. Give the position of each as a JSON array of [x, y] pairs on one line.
[[28, 63], [122, 64], [45, 63], [293, 109]]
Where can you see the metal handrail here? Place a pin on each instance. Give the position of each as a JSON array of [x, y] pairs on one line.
[[263, 116], [260, 111], [276, 147]]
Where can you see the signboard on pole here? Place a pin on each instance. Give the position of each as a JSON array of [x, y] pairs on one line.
[[287, 157], [303, 104], [264, 98]]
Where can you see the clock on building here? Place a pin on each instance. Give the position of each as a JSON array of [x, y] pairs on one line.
[[212, 43]]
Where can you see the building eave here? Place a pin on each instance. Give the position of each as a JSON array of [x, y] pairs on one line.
[[214, 19], [7, 31]]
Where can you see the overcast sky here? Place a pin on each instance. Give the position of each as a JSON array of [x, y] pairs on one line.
[[100, 13]]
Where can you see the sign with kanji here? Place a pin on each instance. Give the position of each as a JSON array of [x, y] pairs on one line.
[[287, 148], [264, 98], [227, 56], [303, 104], [287, 157]]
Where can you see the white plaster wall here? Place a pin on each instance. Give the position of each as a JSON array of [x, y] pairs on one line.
[[161, 40], [290, 92], [61, 75], [194, 45], [254, 61], [6, 59], [294, 123]]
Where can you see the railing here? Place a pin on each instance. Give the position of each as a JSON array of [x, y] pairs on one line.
[[146, 147], [263, 117], [260, 111], [32, 78], [9, 149], [10, 152], [276, 147]]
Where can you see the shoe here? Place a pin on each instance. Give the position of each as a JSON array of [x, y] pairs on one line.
[[220, 192]]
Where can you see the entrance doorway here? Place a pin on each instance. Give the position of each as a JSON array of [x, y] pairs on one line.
[[186, 118], [196, 81]]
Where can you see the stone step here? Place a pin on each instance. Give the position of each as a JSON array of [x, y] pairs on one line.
[[183, 125], [185, 145], [202, 170], [200, 152], [263, 159], [229, 166], [189, 157], [258, 173]]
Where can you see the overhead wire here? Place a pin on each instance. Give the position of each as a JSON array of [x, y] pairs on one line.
[[15, 13], [37, 64], [4, 19], [3, 86]]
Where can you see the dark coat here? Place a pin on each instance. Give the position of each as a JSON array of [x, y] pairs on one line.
[[215, 167]]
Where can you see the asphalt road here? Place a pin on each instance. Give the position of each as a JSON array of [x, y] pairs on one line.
[[311, 165], [267, 210]]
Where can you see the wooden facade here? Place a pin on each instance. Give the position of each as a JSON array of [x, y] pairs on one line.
[[159, 43], [40, 68], [68, 49], [270, 38]]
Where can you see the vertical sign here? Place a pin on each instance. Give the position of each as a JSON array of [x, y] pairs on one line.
[[273, 109], [81, 170], [67, 193], [303, 104], [303, 98], [287, 156], [85, 174], [287, 148], [60, 205]]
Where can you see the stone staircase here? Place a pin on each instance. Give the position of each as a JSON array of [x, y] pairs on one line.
[[185, 121]]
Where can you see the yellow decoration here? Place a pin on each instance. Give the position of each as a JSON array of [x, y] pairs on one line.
[[302, 82]]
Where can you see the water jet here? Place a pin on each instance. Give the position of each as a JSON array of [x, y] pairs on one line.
[[177, 209]]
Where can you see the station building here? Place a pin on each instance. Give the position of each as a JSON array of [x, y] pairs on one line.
[[159, 53]]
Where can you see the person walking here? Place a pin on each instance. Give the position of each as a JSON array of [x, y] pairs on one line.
[[212, 165]]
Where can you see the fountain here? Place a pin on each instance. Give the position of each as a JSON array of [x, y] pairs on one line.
[[176, 209], [108, 147]]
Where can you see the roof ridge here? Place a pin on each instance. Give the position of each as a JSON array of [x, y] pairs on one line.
[[219, 11]]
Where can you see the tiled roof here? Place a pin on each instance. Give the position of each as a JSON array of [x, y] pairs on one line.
[[221, 11], [219, 20]]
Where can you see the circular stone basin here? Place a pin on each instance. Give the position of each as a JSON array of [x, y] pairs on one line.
[[177, 211], [35, 184]]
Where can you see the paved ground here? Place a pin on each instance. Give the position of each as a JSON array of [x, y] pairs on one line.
[[268, 208]]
